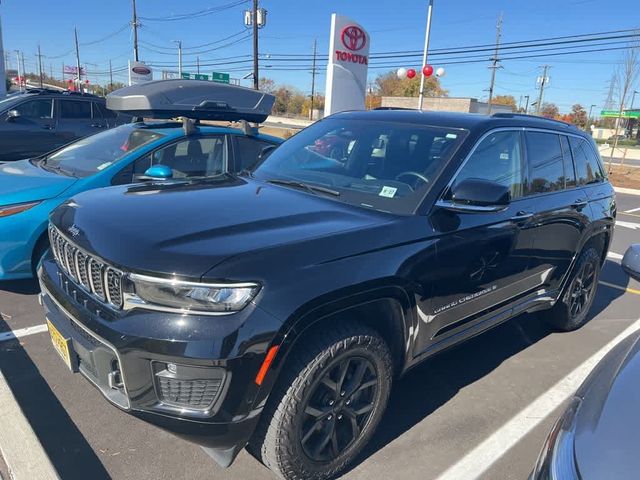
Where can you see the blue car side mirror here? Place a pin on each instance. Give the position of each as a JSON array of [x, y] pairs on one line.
[[159, 172]]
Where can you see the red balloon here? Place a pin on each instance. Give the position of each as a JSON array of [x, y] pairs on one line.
[[411, 73], [427, 70]]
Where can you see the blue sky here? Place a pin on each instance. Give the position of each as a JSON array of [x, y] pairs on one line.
[[293, 26]]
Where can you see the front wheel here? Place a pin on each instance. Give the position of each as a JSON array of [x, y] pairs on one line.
[[571, 310], [326, 405]]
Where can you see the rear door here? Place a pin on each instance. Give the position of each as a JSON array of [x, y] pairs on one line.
[[75, 119], [482, 256], [562, 212], [30, 134]]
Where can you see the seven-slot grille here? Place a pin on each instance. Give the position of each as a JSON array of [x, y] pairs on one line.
[[94, 276]]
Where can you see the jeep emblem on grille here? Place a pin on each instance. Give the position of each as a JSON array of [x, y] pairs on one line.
[[73, 230]]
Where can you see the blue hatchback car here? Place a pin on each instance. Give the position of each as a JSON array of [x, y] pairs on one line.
[[31, 189]]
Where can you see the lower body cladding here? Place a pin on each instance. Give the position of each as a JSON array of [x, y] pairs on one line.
[[170, 377]]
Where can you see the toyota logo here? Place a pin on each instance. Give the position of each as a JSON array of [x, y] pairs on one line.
[[353, 37]]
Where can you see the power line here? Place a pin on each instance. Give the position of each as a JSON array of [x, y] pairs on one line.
[[191, 15], [243, 31]]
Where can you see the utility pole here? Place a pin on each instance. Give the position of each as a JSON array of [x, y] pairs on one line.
[[255, 44], [590, 110], [62, 71], [543, 83], [24, 70], [198, 65], [51, 70], [19, 73], [495, 65], [110, 76], [134, 24], [40, 67], [313, 80], [425, 53], [526, 107], [79, 71]]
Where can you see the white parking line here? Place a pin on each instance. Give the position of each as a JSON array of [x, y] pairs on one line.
[[631, 225], [632, 210], [614, 256], [23, 332], [483, 456]]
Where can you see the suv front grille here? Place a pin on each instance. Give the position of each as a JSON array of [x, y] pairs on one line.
[[103, 281]]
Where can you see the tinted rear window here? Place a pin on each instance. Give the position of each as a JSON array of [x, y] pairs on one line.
[[588, 167], [545, 160], [75, 109]]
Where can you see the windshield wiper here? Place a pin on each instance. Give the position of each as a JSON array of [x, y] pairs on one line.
[[309, 188]]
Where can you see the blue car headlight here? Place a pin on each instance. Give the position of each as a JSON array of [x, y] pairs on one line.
[[8, 210], [557, 458]]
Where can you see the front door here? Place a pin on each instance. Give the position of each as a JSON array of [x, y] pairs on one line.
[[482, 261], [30, 134]]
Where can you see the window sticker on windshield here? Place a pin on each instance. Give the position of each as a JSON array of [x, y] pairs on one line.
[[452, 136], [504, 156], [103, 166], [388, 192]]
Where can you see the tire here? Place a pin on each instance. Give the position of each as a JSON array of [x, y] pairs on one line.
[[572, 309], [300, 416]]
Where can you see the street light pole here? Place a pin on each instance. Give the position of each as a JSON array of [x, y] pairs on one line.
[[19, 74], [425, 53], [526, 107], [179, 43], [590, 110]]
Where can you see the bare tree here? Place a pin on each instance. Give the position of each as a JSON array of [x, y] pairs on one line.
[[626, 77]]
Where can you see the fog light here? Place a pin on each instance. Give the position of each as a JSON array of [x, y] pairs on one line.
[[172, 367]]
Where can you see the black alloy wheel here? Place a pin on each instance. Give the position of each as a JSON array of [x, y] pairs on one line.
[[338, 407]]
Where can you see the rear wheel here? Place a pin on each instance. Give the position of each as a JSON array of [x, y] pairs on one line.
[[571, 310], [326, 405]]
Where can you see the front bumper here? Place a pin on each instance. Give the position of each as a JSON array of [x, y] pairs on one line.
[[193, 376]]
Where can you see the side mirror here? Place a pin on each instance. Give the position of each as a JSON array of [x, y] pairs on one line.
[[475, 194], [266, 151], [631, 261], [158, 172], [12, 115]]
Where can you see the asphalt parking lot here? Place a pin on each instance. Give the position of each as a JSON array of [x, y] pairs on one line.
[[483, 407]]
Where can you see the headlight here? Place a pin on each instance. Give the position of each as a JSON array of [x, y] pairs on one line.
[[557, 458], [8, 210], [193, 297]]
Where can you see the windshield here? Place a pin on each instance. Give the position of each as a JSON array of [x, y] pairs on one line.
[[97, 152], [382, 165]]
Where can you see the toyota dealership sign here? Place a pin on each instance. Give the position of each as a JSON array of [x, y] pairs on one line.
[[348, 66]]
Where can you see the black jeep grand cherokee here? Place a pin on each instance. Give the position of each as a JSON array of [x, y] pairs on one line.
[[274, 309]]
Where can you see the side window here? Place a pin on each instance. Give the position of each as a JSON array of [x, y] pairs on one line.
[[100, 111], [588, 167], [36, 109], [75, 110], [192, 157], [567, 160], [545, 160], [497, 158], [248, 151]]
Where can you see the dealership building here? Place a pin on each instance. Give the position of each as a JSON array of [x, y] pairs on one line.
[[445, 104]]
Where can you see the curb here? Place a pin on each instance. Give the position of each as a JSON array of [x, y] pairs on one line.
[[19, 445], [629, 191]]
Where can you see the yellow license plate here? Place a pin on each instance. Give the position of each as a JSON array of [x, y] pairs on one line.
[[60, 343]]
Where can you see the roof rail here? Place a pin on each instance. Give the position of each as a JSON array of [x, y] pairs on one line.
[[394, 108], [525, 115]]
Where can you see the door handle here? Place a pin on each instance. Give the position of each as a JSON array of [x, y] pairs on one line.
[[579, 204], [521, 215], [48, 127], [97, 125]]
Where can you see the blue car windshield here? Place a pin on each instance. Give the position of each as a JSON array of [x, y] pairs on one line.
[[92, 154], [386, 166]]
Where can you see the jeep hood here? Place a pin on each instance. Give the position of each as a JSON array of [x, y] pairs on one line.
[[188, 228], [23, 182]]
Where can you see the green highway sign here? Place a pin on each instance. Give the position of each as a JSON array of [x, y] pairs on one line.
[[215, 77], [625, 113], [220, 77]]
